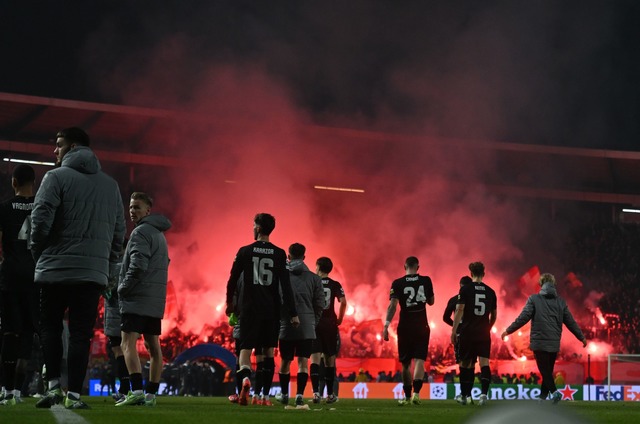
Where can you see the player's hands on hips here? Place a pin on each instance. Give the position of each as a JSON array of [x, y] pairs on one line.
[[295, 321]]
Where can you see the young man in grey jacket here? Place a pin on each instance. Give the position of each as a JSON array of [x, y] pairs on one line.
[[297, 341], [77, 231], [547, 312], [142, 292]]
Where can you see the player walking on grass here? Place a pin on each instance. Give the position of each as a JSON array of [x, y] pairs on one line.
[[265, 277], [451, 310], [412, 292], [476, 312], [326, 341]]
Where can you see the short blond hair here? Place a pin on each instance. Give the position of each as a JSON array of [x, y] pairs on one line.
[[144, 197], [547, 278]]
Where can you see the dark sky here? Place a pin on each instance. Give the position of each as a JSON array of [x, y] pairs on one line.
[[542, 72]]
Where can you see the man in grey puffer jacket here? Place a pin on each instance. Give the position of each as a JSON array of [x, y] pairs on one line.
[[297, 341], [77, 231], [142, 292], [547, 312]]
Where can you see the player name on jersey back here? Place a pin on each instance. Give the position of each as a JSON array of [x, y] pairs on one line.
[[263, 251], [22, 206]]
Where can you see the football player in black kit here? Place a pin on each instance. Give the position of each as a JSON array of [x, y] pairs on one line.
[[326, 342], [451, 309], [413, 292], [19, 294], [476, 313], [265, 274]]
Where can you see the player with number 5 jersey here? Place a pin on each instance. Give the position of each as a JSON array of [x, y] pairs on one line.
[[476, 312]]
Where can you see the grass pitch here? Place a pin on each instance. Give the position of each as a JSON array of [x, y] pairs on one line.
[[219, 410]]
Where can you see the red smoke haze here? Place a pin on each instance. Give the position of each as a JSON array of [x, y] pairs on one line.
[[244, 148]]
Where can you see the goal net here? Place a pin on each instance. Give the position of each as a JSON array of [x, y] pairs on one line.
[[623, 369]]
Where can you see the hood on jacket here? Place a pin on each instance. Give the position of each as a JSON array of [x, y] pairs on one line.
[[548, 290], [82, 159], [160, 222], [297, 266]]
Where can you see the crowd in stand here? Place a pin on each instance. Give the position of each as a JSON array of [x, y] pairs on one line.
[[605, 257]]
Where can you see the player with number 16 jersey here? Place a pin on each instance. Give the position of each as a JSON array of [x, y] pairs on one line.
[[265, 275], [265, 271]]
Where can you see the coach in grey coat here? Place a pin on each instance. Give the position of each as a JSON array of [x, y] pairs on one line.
[[547, 312], [77, 231], [297, 341]]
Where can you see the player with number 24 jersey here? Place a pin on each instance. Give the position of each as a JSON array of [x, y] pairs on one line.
[[412, 292]]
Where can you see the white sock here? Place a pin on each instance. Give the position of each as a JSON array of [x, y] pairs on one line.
[[73, 395], [17, 393], [53, 383]]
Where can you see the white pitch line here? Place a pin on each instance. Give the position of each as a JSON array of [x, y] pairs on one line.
[[66, 416]]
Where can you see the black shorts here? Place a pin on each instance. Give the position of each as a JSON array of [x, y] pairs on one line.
[[236, 347], [413, 341], [114, 341], [132, 323], [258, 333], [326, 340], [295, 348], [469, 349]]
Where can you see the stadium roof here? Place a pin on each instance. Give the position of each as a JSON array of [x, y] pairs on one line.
[[27, 124]]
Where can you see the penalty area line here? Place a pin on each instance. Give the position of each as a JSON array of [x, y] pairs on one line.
[[63, 415]]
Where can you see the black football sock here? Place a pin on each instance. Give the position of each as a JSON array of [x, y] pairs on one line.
[[284, 383], [417, 386], [329, 378], [485, 379], [301, 382], [314, 373]]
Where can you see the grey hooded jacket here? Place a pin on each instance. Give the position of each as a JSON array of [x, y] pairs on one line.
[[112, 317], [547, 312], [309, 298], [142, 289], [77, 223]]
